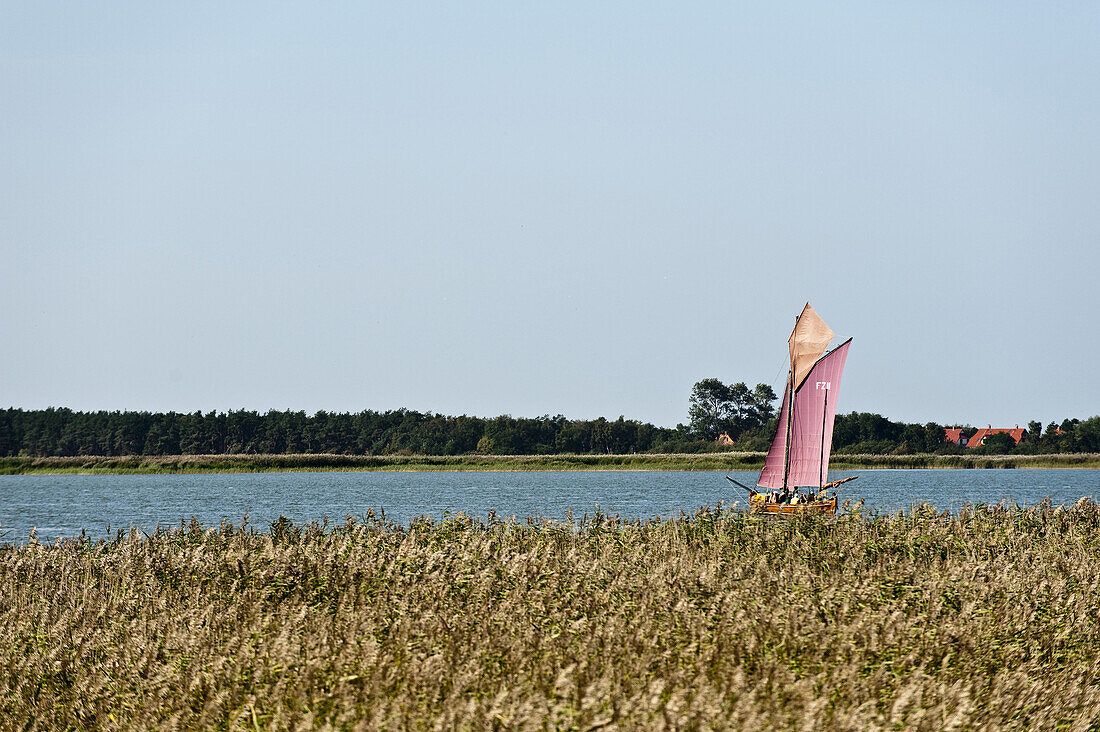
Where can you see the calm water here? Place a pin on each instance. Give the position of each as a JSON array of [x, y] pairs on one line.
[[66, 505]]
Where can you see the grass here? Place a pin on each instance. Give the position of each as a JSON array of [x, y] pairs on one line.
[[139, 464], [986, 619], [971, 461], [312, 462]]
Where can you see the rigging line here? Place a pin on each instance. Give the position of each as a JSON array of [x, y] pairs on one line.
[[780, 378]]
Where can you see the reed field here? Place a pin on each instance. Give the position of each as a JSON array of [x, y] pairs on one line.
[[988, 619], [229, 463], [232, 463]]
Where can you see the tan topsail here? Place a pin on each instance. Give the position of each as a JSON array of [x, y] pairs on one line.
[[808, 341]]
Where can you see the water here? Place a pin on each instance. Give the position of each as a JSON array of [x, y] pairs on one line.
[[65, 505]]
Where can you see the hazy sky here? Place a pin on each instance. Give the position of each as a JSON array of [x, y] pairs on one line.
[[575, 208]]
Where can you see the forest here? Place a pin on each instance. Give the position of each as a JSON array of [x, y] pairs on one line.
[[64, 432]]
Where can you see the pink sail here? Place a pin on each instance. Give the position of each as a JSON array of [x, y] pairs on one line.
[[772, 474], [812, 429]]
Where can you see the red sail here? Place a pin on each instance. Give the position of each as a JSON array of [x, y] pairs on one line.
[[812, 431]]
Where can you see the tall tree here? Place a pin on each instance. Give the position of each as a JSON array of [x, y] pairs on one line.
[[710, 408], [735, 409], [763, 403]]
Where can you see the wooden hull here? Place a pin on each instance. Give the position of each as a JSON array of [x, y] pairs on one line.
[[786, 509]]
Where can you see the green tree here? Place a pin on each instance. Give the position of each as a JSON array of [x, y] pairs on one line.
[[1087, 435], [763, 403], [715, 407], [710, 408], [933, 437], [1000, 443]]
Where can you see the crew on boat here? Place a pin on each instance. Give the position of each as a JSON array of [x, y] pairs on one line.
[[792, 496]]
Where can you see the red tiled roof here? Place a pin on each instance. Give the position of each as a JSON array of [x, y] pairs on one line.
[[1016, 433], [952, 434]]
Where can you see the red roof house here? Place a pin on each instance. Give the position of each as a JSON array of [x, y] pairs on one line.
[[1017, 434], [954, 434]]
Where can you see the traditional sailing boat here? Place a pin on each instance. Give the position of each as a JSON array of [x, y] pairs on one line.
[[799, 454]]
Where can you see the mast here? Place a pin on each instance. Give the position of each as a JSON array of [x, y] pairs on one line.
[[824, 417], [790, 424], [790, 411]]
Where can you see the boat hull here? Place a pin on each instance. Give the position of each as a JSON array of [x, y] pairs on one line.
[[798, 509]]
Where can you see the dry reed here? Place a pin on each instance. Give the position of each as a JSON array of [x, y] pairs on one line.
[[985, 619], [228, 463]]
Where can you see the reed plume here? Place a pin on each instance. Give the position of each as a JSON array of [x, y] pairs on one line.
[[987, 619]]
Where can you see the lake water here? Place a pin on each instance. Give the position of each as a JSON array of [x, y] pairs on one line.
[[65, 505]]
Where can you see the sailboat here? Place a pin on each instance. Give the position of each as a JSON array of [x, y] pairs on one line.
[[797, 467]]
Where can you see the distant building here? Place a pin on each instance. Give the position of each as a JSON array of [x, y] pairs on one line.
[[955, 435], [725, 439], [1017, 433]]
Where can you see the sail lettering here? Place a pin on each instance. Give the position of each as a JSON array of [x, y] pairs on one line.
[[824, 385]]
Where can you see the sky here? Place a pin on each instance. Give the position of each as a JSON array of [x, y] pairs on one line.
[[548, 208]]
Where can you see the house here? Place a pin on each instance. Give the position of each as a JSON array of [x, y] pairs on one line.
[[954, 434], [725, 439], [1017, 433]]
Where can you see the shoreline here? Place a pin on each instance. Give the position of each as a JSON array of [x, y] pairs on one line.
[[644, 462]]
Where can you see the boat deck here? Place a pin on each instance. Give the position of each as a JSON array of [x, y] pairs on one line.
[[793, 509]]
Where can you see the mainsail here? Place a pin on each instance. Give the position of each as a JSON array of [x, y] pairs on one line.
[[811, 432]]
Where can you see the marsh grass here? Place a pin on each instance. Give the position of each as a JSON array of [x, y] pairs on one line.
[[166, 464], [928, 460], [313, 462], [984, 619]]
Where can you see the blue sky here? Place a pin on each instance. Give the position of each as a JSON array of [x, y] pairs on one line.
[[584, 208]]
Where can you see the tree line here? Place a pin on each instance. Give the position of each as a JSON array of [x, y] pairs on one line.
[[64, 432], [747, 416], [863, 432]]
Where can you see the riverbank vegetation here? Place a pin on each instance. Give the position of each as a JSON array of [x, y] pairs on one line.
[[721, 620], [317, 463], [723, 461], [404, 433]]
